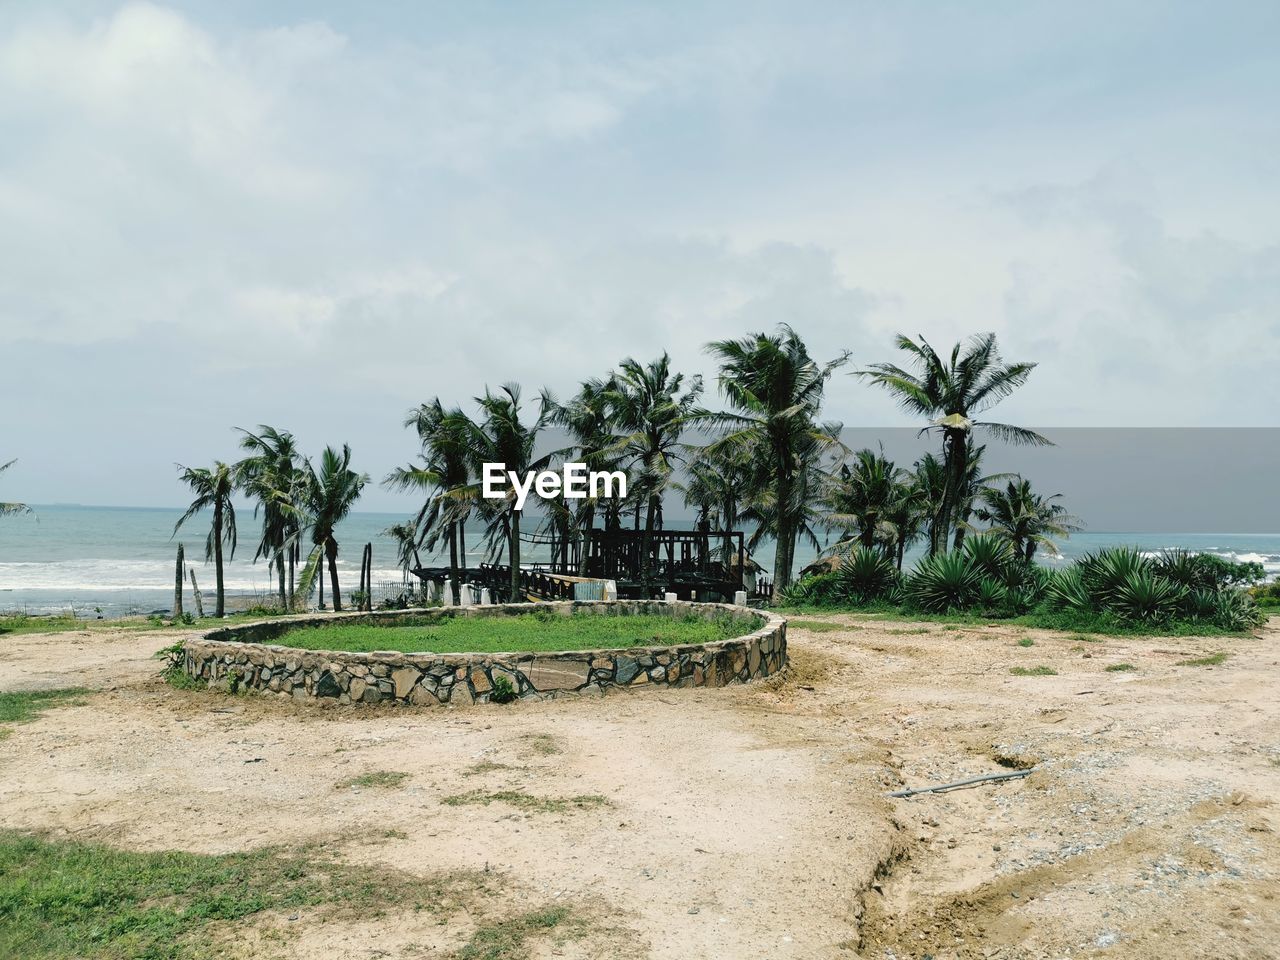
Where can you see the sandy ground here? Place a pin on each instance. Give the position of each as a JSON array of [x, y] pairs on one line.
[[748, 822]]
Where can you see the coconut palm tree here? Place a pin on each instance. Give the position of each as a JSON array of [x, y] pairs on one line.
[[213, 488], [500, 436], [1024, 519], [330, 494], [271, 474], [718, 485], [586, 418], [443, 475], [650, 408], [861, 496], [951, 394], [405, 536], [775, 390], [10, 509], [907, 514]]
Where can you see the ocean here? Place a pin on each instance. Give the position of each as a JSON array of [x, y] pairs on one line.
[[115, 561]]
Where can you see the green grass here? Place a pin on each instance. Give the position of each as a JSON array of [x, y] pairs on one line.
[[26, 706], [527, 801], [1213, 660], [1040, 671], [61, 900], [1121, 668], [819, 626], [508, 939], [1026, 642], [378, 778], [536, 631]]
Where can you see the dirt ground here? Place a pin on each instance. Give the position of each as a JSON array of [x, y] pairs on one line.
[[747, 822]]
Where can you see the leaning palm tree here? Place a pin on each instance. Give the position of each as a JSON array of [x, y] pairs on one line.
[[1024, 519], [330, 494], [650, 408], [9, 509], [775, 391], [272, 475], [951, 393], [405, 536], [213, 487], [501, 436]]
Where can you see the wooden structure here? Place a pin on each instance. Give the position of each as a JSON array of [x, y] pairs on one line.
[[692, 564]]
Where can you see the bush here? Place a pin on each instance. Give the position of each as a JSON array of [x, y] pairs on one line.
[[1144, 597], [944, 583], [863, 577]]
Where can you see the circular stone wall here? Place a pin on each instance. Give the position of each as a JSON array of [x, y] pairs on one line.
[[244, 658]]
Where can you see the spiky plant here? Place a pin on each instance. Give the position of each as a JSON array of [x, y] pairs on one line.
[[1143, 597], [1105, 571], [991, 555], [1067, 590], [1237, 610], [946, 581], [865, 576], [991, 594]]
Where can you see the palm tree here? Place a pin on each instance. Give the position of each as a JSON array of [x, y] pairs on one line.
[[587, 420], [861, 497], [951, 393], [907, 514], [650, 411], [213, 487], [443, 475], [972, 486], [501, 437], [272, 475], [406, 537], [1025, 519], [775, 390], [718, 485], [330, 495], [10, 509]]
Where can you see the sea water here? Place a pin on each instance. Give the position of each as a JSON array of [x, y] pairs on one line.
[[111, 561]]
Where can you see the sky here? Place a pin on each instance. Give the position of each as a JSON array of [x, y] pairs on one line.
[[318, 215]]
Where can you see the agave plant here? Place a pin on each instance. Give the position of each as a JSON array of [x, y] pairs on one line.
[[1066, 590], [1200, 603], [945, 581], [1237, 610], [992, 594], [864, 576], [1106, 571], [990, 555], [1144, 597]]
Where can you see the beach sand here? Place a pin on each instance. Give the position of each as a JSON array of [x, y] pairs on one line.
[[743, 822]]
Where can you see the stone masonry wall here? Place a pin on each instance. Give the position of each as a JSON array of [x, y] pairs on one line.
[[243, 657]]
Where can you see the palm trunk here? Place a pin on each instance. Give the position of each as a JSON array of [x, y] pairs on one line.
[[590, 519], [293, 560], [179, 578], [514, 553], [284, 600], [331, 551], [454, 590], [220, 608], [646, 544], [462, 545], [957, 455]]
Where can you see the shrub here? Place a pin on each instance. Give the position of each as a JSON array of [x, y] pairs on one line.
[[1066, 590], [1143, 597], [503, 691], [991, 557], [1105, 572], [864, 576], [945, 582], [817, 590], [991, 594]]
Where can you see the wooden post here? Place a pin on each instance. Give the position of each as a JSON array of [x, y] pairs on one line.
[[195, 589], [179, 578], [368, 603]]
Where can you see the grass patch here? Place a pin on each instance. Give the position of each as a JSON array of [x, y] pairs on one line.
[[378, 778], [529, 631], [1040, 671], [1213, 660], [1026, 642], [819, 626], [509, 939], [61, 900], [527, 801], [23, 707], [179, 679], [13, 624], [483, 767], [910, 633], [543, 744], [1120, 668]]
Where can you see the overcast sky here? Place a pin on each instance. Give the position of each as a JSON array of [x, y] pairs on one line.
[[316, 215]]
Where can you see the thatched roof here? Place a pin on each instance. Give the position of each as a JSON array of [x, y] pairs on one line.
[[821, 565]]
